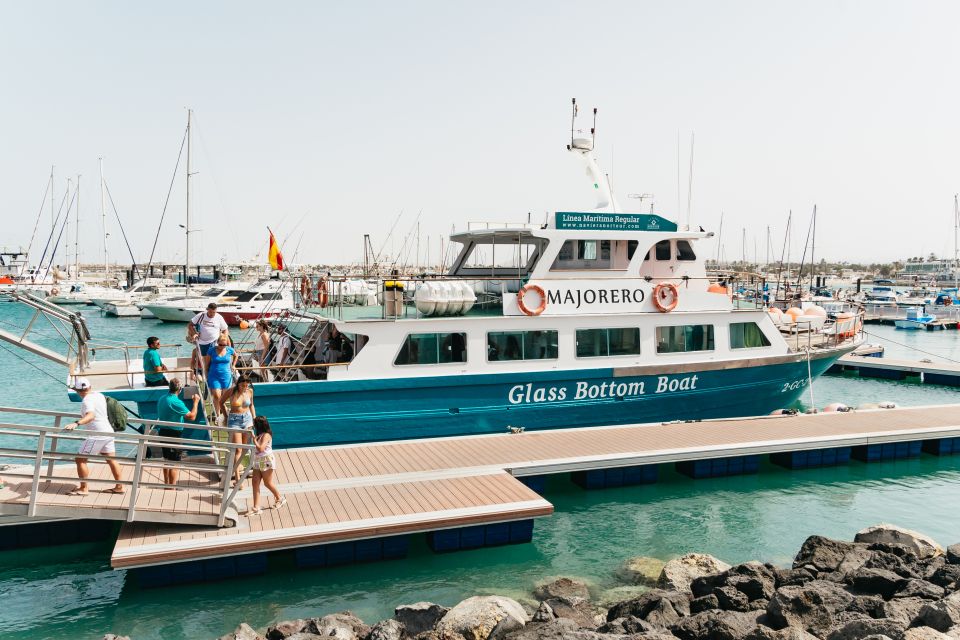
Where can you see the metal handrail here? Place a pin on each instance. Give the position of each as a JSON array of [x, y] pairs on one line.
[[221, 453]]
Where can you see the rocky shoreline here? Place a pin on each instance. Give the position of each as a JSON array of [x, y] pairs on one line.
[[887, 584]]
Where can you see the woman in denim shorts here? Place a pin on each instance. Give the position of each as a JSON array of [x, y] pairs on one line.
[[238, 402]]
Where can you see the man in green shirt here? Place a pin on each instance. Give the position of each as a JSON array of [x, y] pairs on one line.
[[153, 366], [170, 408]]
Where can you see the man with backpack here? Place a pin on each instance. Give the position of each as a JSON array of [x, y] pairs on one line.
[[94, 417]]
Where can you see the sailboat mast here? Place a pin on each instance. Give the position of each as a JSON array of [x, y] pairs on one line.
[[66, 230], [76, 235], [103, 223], [956, 223], [53, 216], [813, 248], [186, 266]]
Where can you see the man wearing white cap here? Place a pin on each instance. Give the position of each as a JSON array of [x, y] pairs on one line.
[[93, 410]]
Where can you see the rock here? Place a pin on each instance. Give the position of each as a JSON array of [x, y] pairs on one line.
[[810, 606], [791, 577], [730, 599], [626, 626], [905, 566], [940, 615], [868, 605], [243, 632], [858, 629], [544, 613], [386, 630], [558, 629], [641, 570], [790, 633], [916, 588], [433, 634], [562, 588], [760, 604], [677, 574], [824, 554], [750, 578], [300, 635], [716, 625], [285, 629], [483, 617], [610, 597], [904, 610], [113, 636], [924, 633], [953, 553], [340, 626], [704, 603], [644, 604], [879, 581], [580, 610], [946, 576], [923, 546], [419, 616]]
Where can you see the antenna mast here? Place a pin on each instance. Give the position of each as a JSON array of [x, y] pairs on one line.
[[186, 265], [103, 222]]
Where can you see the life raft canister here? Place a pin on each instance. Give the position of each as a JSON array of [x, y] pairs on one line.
[[523, 294], [666, 296]]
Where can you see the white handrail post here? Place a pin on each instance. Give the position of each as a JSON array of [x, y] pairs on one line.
[[35, 485], [54, 441], [137, 466], [225, 484]]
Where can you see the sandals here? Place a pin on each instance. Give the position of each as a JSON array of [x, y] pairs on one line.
[[279, 503], [77, 492], [114, 491], [254, 512]]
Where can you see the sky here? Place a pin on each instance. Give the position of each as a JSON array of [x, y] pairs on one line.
[[327, 121]]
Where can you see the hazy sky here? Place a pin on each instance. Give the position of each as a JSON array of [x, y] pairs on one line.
[[327, 120]]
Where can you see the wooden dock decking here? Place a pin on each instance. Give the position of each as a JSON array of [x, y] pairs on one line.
[[350, 492]]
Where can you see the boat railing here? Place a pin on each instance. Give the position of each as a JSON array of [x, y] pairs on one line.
[[45, 453]]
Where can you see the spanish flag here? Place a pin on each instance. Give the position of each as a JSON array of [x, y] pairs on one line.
[[276, 258]]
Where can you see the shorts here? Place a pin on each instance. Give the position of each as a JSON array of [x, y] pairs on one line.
[[174, 455], [264, 463], [219, 380], [204, 348], [97, 446], [239, 420], [162, 382]]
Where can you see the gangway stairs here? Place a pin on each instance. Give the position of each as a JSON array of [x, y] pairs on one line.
[[39, 473]]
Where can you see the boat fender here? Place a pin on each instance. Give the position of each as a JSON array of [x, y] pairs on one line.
[[888, 405], [523, 305], [322, 293], [666, 296]]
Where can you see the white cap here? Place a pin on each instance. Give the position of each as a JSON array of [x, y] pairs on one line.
[[81, 384]]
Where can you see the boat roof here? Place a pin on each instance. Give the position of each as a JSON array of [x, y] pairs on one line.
[[574, 224]]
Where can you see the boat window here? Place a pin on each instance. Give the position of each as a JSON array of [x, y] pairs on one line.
[[433, 348], [747, 335], [684, 338], [521, 345], [209, 293], [246, 296], [233, 293], [594, 343], [685, 251], [663, 250], [631, 248], [583, 254], [506, 253]]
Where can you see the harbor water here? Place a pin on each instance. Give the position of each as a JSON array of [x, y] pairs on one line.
[[70, 591]]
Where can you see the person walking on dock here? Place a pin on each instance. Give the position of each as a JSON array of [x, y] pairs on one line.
[[153, 367], [241, 414], [206, 328], [264, 465], [93, 410], [220, 365], [171, 408]]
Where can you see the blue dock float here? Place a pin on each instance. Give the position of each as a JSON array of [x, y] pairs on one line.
[[942, 446], [488, 535], [208, 570], [888, 451], [353, 552], [719, 467], [616, 476], [45, 533], [812, 459]]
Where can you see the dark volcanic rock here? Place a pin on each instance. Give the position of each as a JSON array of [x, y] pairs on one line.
[[730, 599], [810, 607], [824, 554], [906, 566], [940, 615], [647, 602], [916, 588], [868, 605], [878, 581], [716, 625], [704, 603], [419, 617], [573, 608], [626, 626], [953, 553], [285, 629], [562, 588], [859, 629], [946, 576], [904, 610], [791, 577], [386, 630], [561, 629], [790, 633]]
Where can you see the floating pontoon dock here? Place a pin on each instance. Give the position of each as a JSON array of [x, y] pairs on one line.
[[891, 369]]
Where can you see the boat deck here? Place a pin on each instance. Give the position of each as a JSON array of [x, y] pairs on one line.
[[352, 492]]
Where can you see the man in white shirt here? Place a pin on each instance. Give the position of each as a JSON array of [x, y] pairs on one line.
[[93, 411], [284, 346], [207, 327]]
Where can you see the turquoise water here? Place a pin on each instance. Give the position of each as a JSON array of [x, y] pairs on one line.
[[72, 592]]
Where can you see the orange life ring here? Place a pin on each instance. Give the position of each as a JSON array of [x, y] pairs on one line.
[[523, 305], [322, 293], [666, 296]]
